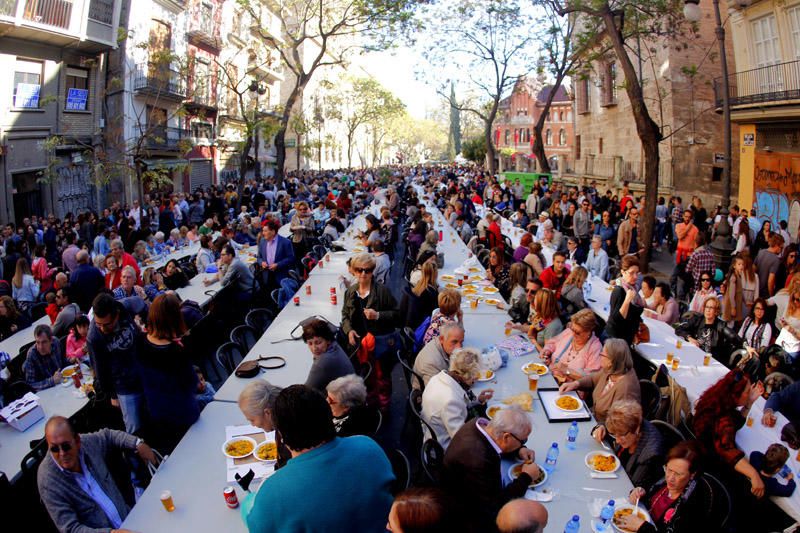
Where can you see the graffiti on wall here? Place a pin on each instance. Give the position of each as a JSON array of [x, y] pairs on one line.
[[76, 193], [777, 189]]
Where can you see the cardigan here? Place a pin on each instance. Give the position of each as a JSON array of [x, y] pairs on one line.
[[626, 388], [339, 484], [643, 466], [72, 510], [444, 406]]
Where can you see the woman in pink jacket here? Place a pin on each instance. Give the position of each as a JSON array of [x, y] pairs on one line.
[[574, 352]]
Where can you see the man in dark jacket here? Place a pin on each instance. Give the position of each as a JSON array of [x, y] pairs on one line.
[[472, 470], [74, 481], [86, 281], [112, 348]]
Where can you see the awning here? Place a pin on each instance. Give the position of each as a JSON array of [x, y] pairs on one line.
[[165, 163]]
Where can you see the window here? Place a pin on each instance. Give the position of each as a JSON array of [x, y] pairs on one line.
[[27, 84], [716, 173], [506, 138], [201, 82], [766, 46], [527, 135], [548, 137], [583, 95], [794, 27], [77, 96], [561, 116], [577, 147], [608, 84], [202, 130], [562, 137], [600, 145]]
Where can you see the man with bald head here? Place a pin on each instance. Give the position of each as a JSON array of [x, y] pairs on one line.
[[74, 481], [86, 281], [522, 516]]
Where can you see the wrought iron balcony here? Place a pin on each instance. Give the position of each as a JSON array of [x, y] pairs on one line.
[[164, 138], [150, 80], [770, 84], [202, 30]]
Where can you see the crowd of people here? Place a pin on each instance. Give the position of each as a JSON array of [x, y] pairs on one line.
[[93, 277]]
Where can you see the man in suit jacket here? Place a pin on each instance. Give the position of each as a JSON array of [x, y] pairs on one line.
[[74, 481], [275, 254], [472, 470]]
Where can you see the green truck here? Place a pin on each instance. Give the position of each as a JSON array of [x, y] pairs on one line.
[[528, 179]]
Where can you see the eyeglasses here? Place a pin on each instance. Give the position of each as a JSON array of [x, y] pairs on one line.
[[364, 270], [711, 306], [670, 472], [705, 279], [64, 447], [521, 442]]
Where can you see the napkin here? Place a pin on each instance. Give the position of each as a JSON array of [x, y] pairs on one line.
[[607, 475], [539, 496]]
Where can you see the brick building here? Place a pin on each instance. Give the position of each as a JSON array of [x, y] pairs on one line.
[[679, 94]]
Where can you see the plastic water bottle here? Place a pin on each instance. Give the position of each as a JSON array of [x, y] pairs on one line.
[[605, 516], [552, 458], [572, 436], [574, 525]]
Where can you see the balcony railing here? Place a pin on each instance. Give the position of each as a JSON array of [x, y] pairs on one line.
[[201, 99], [150, 80], [773, 83], [202, 29], [164, 138]]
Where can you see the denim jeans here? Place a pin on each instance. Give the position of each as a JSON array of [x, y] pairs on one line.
[[132, 406]]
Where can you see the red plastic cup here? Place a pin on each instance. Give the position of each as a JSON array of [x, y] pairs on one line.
[[296, 300]]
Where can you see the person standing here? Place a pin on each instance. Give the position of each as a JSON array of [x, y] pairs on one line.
[[628, 234], [582, 225], [767, 263], [686, 232], [275, 254], [86, 281]]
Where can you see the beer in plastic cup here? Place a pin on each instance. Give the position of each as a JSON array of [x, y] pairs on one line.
[[533, 381], [676, 361], [679, 344], [508, 331], [670, 355], [166, 501], [707, 359], [473, 303], [749, 421]]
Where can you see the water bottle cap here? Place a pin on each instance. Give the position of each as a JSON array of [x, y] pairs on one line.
[[611, 503], [574, 423], [576, 518], [555, 445]]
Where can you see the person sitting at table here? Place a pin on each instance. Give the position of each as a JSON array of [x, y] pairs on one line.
[[575, 255], [421, 300], [554, 276], [647, 291], [67, 311], [626, 305], [373, 232], [447, 397], [517, 280], [493, 232], [174, 277], [535, 259], [347, 397], [706, 289], [709, 333], [498, 269], [597, 259], [522, 515], [75, 482], [153, 283], [545, 322], [572, 291], [786, 402], [435, 355], [666, 308], [416, 273], [575, 352], [44, 362], [769, 464], [257, 403], [205, 256], [522, 250], [313, 493], [330, 361], [233, 272], [719, 413], [616, 380], [449, 310], [303, 228], [428, 246], [421, 510], [11, 320], [637, 442], [679, 502], [128, 286], [473, 474], [176, 240], [123, 258], [755, 330], [140, 253], [77, 350]]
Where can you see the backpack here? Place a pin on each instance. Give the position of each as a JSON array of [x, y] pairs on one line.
[[419, 334]]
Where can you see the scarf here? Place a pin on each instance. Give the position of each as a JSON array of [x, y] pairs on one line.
[[755, 340], [637, 300], [733, 301]]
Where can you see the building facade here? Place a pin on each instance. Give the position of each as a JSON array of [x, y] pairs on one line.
[[51, 103], [677, 84], [765, 102], [517, 115]]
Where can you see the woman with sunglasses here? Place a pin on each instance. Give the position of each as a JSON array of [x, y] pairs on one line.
[[709, 333], [755, 330], [369, 307], [706, 289]]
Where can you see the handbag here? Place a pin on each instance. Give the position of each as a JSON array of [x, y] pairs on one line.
[[250, 369], [386, 345], [642, 334]]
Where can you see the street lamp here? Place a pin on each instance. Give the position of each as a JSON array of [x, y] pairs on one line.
[[722, 246]]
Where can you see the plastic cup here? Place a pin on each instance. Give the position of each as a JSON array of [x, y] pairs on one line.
[[508, 331], [166, 501], [533, 381], [749, 421], [679, 344], [473, 304], [676, 361], [707, 359], [296, 300], [670, 355]]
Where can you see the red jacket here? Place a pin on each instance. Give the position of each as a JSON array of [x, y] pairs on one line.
[[551, 281]]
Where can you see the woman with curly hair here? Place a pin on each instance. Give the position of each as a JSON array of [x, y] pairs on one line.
[[717, 419]]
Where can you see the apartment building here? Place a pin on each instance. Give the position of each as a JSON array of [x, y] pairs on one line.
[[519, 112], [51, 103], [764, 94], [677, 82]]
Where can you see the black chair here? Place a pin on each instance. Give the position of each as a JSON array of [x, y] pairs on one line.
[[17, 390], [37, 310], [431, 452], [259, 320], [308, 263], [736, 356], [651, 398], [644, 368], [720, 501], [364, 370], [409, 373], [685, 427], [320, 250], [229, 355], [683, 306], [245, 336], [402, 471], [30, 463], [669, 433], [295, 276]]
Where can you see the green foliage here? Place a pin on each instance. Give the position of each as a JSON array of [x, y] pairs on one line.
[[474, 149]]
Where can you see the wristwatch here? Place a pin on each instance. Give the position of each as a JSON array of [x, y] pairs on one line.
[[138, 442]]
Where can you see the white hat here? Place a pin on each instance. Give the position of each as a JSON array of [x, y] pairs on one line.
[[544, 214]]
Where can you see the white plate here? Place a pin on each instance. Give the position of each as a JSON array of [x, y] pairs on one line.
[[266, 460], [512, 475], [236, 439], [640, 510], [606, 454], [493, 405], [525, 366], [580, 404], [492, 301], [484, 377], [491, 290]]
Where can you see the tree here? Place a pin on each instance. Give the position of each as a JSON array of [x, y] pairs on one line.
[[361, 102], [611, 25], [454, 138], [321, 33], [485, 45], [474, 149], [416, 140]]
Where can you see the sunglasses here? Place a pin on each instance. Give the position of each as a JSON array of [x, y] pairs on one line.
[[64, 447], [705, 279], [364, 270]]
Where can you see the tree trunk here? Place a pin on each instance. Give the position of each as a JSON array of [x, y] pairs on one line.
[[648, 131], [349, 150], [491, 151], [248, 144], [538, 143], [280, 154]]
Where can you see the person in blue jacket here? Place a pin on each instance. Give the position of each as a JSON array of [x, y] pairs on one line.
[[275, 254]]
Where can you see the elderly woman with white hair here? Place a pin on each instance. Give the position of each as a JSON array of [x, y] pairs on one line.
[[347, 397], [257, 402], [128, 286], [616, 379], [447, 397]]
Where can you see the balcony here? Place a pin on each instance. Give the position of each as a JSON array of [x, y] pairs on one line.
[[166, 139], [153, 81], [200, 100], [203, 31], [265, 66], [772, 85]]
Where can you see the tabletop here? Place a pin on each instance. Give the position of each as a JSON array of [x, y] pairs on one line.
[[13, 344]]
